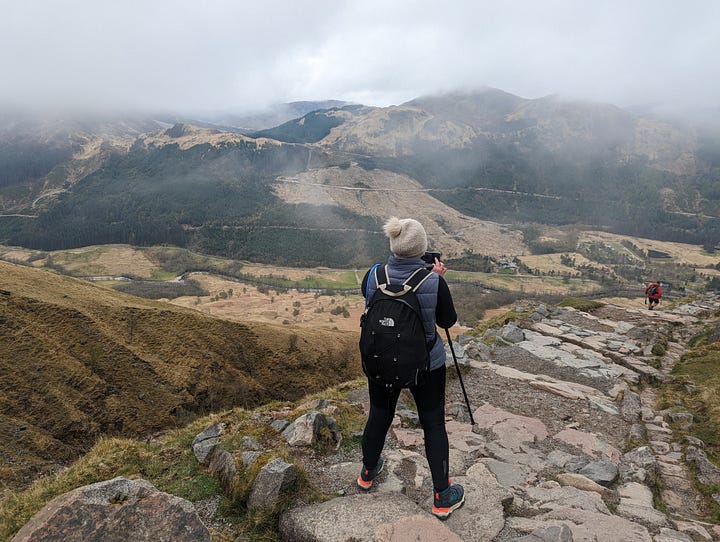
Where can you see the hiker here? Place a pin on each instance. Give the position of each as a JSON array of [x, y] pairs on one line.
[[408, 243], [653, 294]]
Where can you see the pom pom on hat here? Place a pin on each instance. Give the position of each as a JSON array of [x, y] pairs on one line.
[[407, 237]]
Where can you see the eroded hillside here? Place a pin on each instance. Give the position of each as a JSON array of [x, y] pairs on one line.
[[381, 194]]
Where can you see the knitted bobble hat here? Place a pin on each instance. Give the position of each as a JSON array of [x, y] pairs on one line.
[[407, 237]]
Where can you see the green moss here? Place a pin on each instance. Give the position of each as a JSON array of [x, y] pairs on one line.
[[581, 304], [660, 347], [695, 389], [494, 323]]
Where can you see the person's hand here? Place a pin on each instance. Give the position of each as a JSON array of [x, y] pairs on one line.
[[439, 267]]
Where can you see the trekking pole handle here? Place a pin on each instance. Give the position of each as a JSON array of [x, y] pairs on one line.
[[457, 368]]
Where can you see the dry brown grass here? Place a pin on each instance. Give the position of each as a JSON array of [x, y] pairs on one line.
[[193, 136], [248, 303], [97, 260]]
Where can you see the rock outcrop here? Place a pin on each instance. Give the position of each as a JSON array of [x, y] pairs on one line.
[[118, 510], [566, 445]]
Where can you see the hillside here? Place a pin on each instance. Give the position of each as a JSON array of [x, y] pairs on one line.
[[488, 163], [79, 361], [378, 193]]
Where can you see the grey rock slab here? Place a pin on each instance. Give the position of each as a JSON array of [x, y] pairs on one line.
[[638, 463], [670, 535], [558, 458], [694, 529], [206, 441], [513, 333], [604, 404], [672, 470], [355, 517], [642, 514], [636, 504], [589, 526], [602, 472], [523, 456], [707, 472], [660, 447], [248, 458], [273, 480], [483, 515], [417, 528], [509, 475], [630, 406], [280, 425], [511, 429], [551, 533], [590, 443], [566, 497]]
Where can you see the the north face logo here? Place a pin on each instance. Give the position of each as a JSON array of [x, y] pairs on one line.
[[387, 322]]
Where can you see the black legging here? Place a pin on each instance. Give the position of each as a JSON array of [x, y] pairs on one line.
[[430, 400]]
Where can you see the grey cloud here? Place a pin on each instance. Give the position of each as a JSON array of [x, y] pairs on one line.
[[224, 54]]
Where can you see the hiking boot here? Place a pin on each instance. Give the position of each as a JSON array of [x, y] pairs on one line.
[[448, 500], [365, 480]]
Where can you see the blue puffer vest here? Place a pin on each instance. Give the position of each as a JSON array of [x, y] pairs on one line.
[[399, 269]]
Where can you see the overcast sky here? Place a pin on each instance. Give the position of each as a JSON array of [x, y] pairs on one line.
[[237, 55]]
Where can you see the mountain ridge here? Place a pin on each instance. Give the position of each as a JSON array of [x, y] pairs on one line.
[[490, 156]]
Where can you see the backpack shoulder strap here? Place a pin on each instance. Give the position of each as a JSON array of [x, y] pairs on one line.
[[373, 275], [381, 275], [419, 276]]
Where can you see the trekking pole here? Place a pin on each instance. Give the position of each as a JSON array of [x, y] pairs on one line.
[[457, 367]]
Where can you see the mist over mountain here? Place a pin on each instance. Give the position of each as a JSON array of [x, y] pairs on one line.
[[314, 190]]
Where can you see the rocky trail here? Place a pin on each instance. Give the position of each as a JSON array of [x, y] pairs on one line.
[[567, 444]]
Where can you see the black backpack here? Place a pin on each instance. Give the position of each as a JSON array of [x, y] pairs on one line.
[[653, 289], [393, 348]]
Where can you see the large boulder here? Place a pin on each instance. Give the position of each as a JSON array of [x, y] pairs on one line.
[[117, 510]]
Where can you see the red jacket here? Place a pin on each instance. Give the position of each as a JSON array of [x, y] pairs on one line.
[[657, 294]]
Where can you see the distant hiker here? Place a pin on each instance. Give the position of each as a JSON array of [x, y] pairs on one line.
[[653, 294], [408, 243]]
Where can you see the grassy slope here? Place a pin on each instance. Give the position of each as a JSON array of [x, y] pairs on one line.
[[78, 361], [696, 389], [168, 463]]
